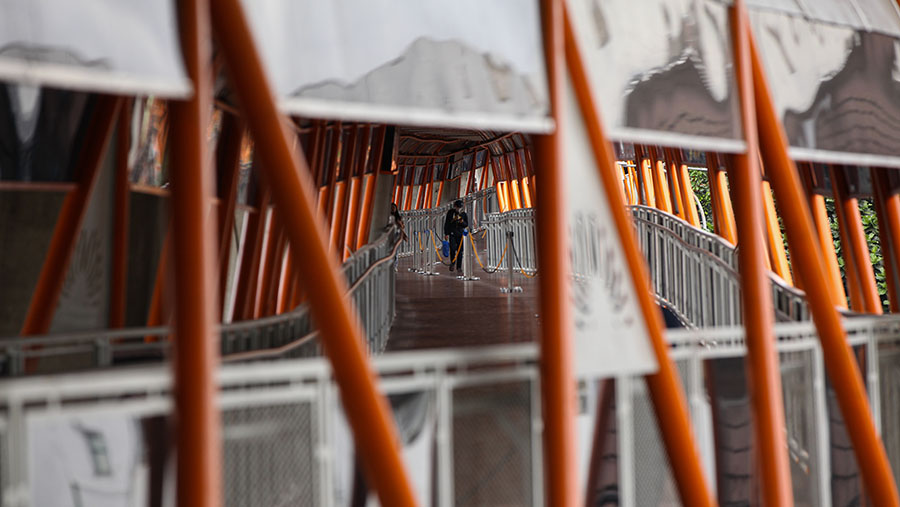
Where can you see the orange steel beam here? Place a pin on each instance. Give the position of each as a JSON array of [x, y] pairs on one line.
[[645, 180], [885, 240], [228, 161], [764, 375], [724, 214], [826, 240], [248, 281], [675, 186], [839, 362], [408, 193], [332, 166], [68, 225], [365, 222], [660, 187], [485, 171], [270, 264], [665, 389], [341, 193], [777, 255], [118, 290], [358, 171], [159, 310], [196, 343], [853, 288], [367, 411], [888, 209], [855, 241], [556, 348], [687, 191]]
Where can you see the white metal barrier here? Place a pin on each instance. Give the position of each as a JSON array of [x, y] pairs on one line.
[[369, 272], [469, 421]]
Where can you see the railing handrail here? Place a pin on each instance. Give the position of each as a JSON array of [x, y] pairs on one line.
[[43, 345]]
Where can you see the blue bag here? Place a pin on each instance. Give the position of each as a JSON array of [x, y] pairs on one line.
[[465, 232], [445, 249]]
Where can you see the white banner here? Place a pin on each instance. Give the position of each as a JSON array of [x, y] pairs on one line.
[[466, 63], [116, 46], [610, 333]]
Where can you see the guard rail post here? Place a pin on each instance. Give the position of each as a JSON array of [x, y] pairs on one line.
[[510, 288], [468, 268]]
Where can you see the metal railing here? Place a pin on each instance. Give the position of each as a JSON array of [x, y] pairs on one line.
[[369, 272], [469, 421], [423, 225], [694, 272]]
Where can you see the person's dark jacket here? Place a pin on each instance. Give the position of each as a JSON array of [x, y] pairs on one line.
[[455, 222]]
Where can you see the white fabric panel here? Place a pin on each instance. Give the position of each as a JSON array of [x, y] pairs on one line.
[[116, 46], [466, 63]]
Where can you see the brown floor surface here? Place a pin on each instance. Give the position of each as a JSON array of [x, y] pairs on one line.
[[442, 311]]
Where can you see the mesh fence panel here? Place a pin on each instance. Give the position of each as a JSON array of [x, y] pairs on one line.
[[653, 481], [492, 457], [889, 371], [269, 455], [846, 482], [797, 379]]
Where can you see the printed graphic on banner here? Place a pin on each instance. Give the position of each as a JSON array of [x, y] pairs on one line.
[[673, 86], [610, 333], [466, 63], [118, 46]]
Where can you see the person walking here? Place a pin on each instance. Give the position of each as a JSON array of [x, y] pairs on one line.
[[455, 225]]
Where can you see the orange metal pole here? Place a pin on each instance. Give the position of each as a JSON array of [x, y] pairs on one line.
[[687, 191], [118, 291], [557, 376], [357, 171], [764, 374], [270, 266], [341, 198], [362, 236], [719, 187], [248, 282], [889, 231], [377, 441], [839, 361], [485, 171], [646, 182], [886, 242], [777, 255], [408, 191], [332, 167], [68, 225], [664, 385], [853, 288], [826, 240], [196, 343], [158, 313], [855, 241], [660, 190], [228, 162], [677, 189]]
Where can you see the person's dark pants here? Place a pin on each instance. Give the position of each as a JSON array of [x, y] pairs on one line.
[[455, 241]]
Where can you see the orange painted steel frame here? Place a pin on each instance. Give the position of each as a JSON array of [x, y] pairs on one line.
[[723, 212], [664, 385], [660, 187], [367, 411], [331, 168], [68, 225], [557, 376], [356, 177], [839, 362], [248, 280], [196, 344], [826, 240], [338, 209], [228, 161], [764, 374], [118, 291], [675, 188], [855, 246], [777, 255], [365, 221], [889, 226], [854, 289]]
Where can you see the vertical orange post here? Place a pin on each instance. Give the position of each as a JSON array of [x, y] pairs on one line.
[[826, 240], [687, 191], [68, 225], [854, 291], [854, 242], [118, 291], [357, 170], [665, 386], [839, 362], [889, 230], [886, 241], [159, 312], [660, 190], [718, 186], [270, 263], [408, 192], [339, 212], [764, 374], [777, 255], [557, 376], [331, 168], [645, 180], [377, 441], [365, 222], [228, 162], [677, 189], [196, 343], [485, 171], [248, 280]]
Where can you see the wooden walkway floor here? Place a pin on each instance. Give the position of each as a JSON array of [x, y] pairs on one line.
[[442, 311]]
